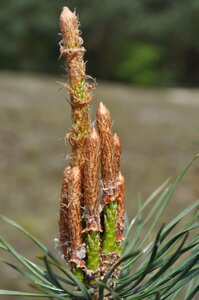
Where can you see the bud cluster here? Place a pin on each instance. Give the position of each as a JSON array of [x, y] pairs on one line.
[[91, 219]]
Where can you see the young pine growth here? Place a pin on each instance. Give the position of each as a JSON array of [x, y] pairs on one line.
[[91, 201], [71, 47], [91, 229], [91, 218]]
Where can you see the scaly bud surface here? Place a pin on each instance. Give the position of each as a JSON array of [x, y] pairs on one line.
[[64, 237], [107, 153], [91, 181], [117, 152], [74, 218]]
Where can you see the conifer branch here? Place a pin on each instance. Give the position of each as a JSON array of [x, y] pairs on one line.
[[91, 233]]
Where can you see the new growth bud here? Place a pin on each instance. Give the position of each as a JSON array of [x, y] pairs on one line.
[[74, 216], [90, 235], [79, 90], [69, 26], [91, 182], [107, 153]]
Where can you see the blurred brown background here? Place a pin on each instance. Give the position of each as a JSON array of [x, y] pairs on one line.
[[145, 57]]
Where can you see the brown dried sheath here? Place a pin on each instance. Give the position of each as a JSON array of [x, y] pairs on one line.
[[64, 237], [74, 216], [107, 153], [91, 182], [120, 208]]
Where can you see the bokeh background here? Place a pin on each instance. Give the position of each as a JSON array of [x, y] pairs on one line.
[[144, 55]]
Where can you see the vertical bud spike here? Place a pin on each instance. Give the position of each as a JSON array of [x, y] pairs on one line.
[[109, 255], [91, 201], [91, 181], [64, 237], [79, 90], [107, 153], [74, 217]]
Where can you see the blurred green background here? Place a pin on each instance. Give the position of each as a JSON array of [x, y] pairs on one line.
[[145, 57], [144, 42]]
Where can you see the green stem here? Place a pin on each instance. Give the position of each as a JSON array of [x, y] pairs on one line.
[[110, 223], [93, 254], [77, 272], [118, 247]]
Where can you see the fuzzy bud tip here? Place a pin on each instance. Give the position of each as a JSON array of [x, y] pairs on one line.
[[69, 26], [103, 119], [102, 109]]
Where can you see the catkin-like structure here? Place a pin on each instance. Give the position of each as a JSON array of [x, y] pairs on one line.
[[74, 217], [91, 182], [80, 95], [107, 154]]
